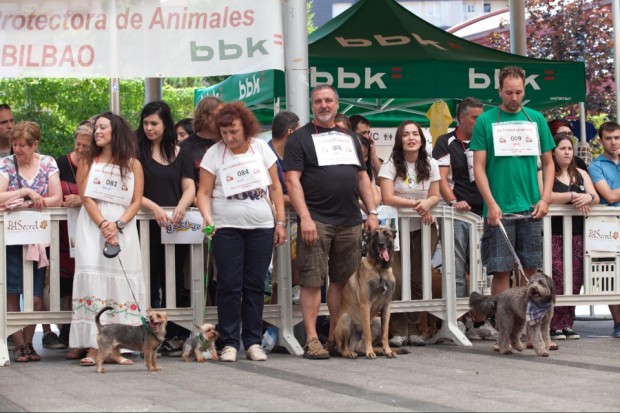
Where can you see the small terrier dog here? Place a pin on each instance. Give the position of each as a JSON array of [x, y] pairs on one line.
[[203, 341], [145, 338]]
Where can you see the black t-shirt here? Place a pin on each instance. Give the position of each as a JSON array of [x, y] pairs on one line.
[[67, 172], [331, 192], [449, 145], [162, 183], [195, 146], [556, 222]]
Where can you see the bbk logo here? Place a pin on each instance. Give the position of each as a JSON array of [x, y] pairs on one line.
[[483, 81], [387, 41], [224, 51], [348, 80], [249, 87]]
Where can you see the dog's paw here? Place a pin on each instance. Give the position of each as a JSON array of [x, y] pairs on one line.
[[349, 354], [371, 355], [389, 354], [543, 353]]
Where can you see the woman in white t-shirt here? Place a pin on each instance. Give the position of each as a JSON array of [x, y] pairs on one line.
[[410, 179], [238, 184]]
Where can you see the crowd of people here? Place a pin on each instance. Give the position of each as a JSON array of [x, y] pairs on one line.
[[329, 173]]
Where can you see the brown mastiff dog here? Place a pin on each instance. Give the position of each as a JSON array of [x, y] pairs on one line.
[[364, 315]]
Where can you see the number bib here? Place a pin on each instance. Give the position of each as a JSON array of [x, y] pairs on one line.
[[243, 174], [105, 183], [516, 139], [470, 164], [334, 148]]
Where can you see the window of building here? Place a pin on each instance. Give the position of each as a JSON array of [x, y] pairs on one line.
[[470, 8], [487, 7]]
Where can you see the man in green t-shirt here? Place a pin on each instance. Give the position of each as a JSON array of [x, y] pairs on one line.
[[507, 142]]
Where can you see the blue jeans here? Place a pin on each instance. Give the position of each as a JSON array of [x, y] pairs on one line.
[[242, 258], [461, 256]]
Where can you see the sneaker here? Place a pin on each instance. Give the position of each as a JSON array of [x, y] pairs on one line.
[[10, 343], [557, 335], [296, 292], [229, 354], [416, 341], [485, 332], [255, 353], [50, 340], [397, 341], [570, 333], [314, 350], [616, 332], [461, 326], [171, 347]]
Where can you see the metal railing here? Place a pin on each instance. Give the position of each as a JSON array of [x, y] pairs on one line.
[[284, 314]]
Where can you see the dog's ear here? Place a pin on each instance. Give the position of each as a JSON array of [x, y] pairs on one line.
[[198, 327]]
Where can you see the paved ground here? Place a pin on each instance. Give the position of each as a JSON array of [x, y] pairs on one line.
[[583, 375]]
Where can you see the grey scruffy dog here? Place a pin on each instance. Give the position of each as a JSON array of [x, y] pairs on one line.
[[531, 305]]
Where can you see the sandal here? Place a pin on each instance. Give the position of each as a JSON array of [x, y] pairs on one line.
[[20, 354], [32, 353], [314, 350]]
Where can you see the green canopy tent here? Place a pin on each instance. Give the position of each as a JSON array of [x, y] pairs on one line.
[[389, 65]]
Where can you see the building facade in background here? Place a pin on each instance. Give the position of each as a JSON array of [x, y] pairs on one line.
[[441, 13]]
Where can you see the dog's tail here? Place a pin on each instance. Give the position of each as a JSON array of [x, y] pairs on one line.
[[98, 316], [485, 304]]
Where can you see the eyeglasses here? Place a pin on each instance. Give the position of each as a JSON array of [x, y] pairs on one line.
[[4, 106]]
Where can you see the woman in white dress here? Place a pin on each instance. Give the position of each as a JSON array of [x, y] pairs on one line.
[[410, 179], [111, 183]]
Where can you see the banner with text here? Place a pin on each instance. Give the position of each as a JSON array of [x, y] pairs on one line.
[[135, 38]]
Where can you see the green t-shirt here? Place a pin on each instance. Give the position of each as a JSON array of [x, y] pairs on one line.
[[513, 179]]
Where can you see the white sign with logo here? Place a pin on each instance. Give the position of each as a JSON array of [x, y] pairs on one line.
[[188, 231], [27, 227], [136, 38], [334, 148], [602, 234], [243, 173], [105, 183]]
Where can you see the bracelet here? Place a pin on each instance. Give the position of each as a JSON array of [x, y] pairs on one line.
[[101, 223], [592, 195], [543, 199], [282, 223]]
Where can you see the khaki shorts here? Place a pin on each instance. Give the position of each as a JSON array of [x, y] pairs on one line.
[[338, 253]]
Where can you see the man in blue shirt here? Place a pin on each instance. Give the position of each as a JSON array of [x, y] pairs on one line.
[[605, 174]]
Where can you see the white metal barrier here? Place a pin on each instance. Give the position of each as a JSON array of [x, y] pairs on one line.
[[285, 315]]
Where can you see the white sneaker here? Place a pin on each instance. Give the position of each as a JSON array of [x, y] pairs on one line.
[[484, 332], [228, 354], [397, 341], [255, 353], [296, 292]]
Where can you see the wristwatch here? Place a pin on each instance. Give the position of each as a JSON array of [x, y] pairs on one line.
[[373, 212], [452, 202], [120, 225]]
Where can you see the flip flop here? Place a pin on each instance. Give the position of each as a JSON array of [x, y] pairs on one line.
[[552, 346], [87, 362], [122, 361]]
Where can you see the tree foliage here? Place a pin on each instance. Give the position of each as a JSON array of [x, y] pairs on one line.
[[59, 105], [574, 30]]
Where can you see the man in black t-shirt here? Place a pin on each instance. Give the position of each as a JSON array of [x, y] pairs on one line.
[[459, 190], [325, 176]]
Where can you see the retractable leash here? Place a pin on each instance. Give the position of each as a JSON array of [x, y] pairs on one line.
[[116, 253], [512, 250]]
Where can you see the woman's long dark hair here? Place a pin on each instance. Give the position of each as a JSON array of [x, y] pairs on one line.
[[368, 164], [168, 142], [573, 173], [123, 142], [422, 165]]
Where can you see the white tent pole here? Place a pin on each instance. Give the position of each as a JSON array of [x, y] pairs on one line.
[[296, 58], [518, 42], [616, 16]]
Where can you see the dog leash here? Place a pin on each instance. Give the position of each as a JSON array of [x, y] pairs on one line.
[[512, 250], [208, 230], [145, 325]]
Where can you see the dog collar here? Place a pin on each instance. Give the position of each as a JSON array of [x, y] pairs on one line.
[[147, 328], [201, 340]]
